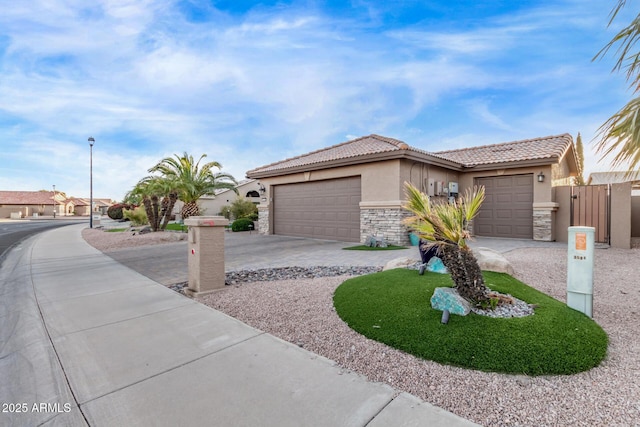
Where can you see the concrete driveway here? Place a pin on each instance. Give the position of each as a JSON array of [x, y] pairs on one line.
[[167, 263]]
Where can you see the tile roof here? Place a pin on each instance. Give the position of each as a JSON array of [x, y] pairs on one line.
[[548, 147], [366, 145], [26, 197], [613, 177]]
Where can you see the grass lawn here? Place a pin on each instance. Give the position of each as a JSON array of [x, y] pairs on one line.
[[369, 248], [394, 307], [115, 230], [176, 227]]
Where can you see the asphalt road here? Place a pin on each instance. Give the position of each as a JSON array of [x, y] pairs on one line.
[[12, 232]]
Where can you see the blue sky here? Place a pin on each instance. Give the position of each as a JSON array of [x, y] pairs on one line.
[[249, 83]]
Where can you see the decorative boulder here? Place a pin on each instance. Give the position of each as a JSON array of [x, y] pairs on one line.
[[449, 299], [402, 262], [490, 260], [435, 265]]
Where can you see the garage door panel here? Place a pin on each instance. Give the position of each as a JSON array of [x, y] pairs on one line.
[[507, 210], [320, 209], [504, 213], [503, 198]]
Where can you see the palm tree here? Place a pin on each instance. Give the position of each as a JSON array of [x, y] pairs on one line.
[[444, 225], [192, 181], [158, 196], [621, 133]]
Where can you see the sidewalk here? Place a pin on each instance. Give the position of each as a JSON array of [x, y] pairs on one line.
[[88, 341]]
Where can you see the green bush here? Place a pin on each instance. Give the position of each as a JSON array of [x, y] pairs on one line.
[[242, 208], [242, 224], [138, 216], [116, 211]]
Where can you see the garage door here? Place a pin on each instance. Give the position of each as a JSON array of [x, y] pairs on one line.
[[507, 210], [321, 209]]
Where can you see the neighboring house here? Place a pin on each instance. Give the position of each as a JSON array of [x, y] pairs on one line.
[[599, 178], [354, 189], [610, 178], [22, 204], [212, 205]]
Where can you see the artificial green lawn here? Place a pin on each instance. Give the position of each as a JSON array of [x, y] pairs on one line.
[[394, 307], [377, 248]]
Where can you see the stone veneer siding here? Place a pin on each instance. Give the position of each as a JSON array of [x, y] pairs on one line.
[[386, 223], [263, 220], [542, 225]]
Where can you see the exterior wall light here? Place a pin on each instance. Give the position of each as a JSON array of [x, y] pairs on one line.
[[261, 188], [540, 177]]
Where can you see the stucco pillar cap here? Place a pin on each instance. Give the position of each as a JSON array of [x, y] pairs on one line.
[[206, 221]]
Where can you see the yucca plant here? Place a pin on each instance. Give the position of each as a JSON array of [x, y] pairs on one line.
[[444, 225]]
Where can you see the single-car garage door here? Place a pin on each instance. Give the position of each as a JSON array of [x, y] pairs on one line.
[[327, 209], [507, 210]]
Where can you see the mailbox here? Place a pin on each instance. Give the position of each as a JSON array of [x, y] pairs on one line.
[[580, 253]]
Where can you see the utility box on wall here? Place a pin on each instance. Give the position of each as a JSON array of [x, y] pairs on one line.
[[580, 261]]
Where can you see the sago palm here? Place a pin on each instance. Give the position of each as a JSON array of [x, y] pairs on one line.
[[193, 180], [444, 225]]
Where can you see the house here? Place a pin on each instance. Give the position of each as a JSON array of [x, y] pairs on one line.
[[354, 189], [600, 178], [22, 204], [212, 205]]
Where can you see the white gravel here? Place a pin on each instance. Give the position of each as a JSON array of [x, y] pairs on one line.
[[301, 312]]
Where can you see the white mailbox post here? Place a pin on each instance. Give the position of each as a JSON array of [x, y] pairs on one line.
[[580, 269]]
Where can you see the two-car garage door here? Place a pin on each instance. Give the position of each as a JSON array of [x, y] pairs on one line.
[[507, 210], [328, 209]]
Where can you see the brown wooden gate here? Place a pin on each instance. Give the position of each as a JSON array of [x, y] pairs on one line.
[[591, 207]]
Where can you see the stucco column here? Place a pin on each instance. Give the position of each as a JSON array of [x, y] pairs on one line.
[[206, 254]]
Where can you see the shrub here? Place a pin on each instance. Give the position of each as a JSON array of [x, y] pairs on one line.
[[115, 211], [138, 216], [225, 211], [242, 208], [242, 224]]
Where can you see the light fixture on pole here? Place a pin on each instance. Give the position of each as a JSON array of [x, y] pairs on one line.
[[54, 200], [91, 142]]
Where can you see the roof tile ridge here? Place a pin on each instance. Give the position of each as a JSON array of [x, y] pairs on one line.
[[393, 141], [351, 141], [521, 141]]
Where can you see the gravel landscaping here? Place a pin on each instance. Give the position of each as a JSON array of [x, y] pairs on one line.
[[301, 311], [297, 306]]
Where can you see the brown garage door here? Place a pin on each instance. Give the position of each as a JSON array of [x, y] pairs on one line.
[[507, 210], [322, 209]]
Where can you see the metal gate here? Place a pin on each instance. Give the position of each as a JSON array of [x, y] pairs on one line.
[[591, 207]]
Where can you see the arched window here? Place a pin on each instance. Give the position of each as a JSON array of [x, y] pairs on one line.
[[253, 194]]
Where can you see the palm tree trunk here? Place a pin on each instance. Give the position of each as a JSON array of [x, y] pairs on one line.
[[190, 209], [465, 273], [154, 221], [146, 201], [173, 197]]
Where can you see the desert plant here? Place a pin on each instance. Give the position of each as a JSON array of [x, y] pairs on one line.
[[115, 211], [137, 216], [192, 180], [242, 224], [242, 208], [444, 225]]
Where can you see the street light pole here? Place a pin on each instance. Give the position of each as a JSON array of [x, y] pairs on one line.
[[91, 142], [54, 201]]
